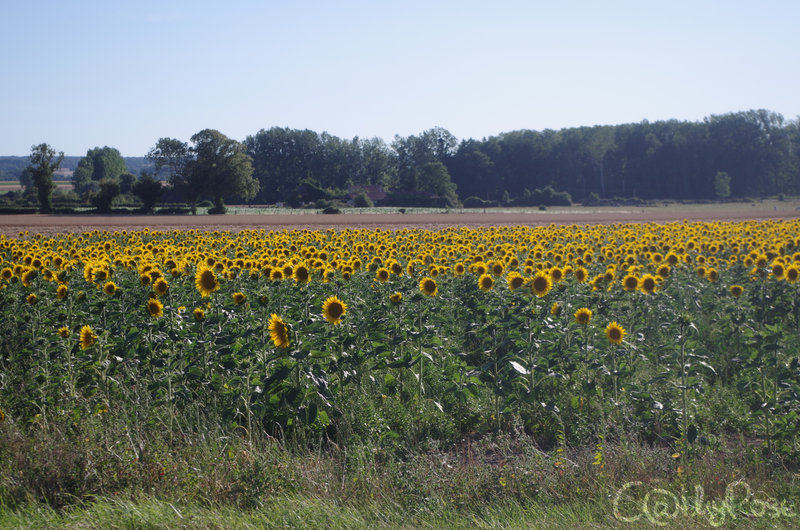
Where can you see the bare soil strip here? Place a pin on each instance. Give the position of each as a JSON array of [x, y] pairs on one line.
[[11, 225]]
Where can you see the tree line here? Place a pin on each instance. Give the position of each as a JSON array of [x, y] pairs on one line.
[[753, 153]]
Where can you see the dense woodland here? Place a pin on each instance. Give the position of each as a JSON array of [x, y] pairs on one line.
[[753, 153]]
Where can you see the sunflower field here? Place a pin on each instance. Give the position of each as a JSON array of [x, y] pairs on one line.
[[678, 334]]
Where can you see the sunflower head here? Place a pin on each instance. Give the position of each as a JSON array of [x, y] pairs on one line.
[[555, 309], [615, 333], [278, 331], [110, 288], [32, 299], [382, 274], [428, 286], [206, 281], [155, 308], [541, 284], [333, 310], [486, 282], [160, 286], [88, 337], [515, 280], [792, 273], [648, 284], [736, 290], [396, 298], [581, 274], [583, 316], [61, 291], [239, 298], [712, 275], [778, 270], [63, 332], [199, 314], [301, 274], [630, 283]]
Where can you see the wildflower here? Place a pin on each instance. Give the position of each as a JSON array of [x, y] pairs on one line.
[[88, 337], [615, 333], [278, 331], [333, 310], [583, 316]]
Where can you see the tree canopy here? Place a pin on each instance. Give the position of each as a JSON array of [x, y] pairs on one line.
[[44, 161]]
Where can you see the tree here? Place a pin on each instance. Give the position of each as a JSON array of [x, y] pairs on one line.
[[434, 178], [99, 163], [148, 189], [44, 161], [173, 159], [107, 189], [222, 168], [722, 185]]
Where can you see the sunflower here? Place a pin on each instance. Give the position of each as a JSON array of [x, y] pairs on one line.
[[515, 280], [663, 271], [712, 275], [581, 274], [615, 333], [630, 283], [459, 269], [301, 274], [497, 268], [6, 273], [145, 280], [778, 270], [63, 332], [155, 308], [556, 274], [110, 288], [737, 290], [278, 331], [485, 282], [88, 338], [382, 274], [701, 271], [555, 309], [648, 284], [160, 286], [239, 298], [32, 299], [428, 286], [333, 310], [206, 281], [28, 277], [396, 298], [583, 316], [792, 273], [276, 274], [61, 292], [199, 314], [541, 284]]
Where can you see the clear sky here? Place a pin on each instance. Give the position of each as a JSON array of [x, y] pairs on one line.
[[85, 73]]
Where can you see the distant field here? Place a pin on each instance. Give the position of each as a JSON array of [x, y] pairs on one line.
[[14, 185]]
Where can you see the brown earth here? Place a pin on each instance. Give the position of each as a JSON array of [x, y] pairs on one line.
[[11, 225]]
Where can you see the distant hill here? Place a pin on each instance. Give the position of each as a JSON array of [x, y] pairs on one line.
[[12, 166]]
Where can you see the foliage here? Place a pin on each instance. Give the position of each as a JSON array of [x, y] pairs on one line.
[[44, 161], [99, 164], [148, 189]]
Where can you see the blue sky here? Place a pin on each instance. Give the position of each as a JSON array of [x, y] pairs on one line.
[[82, 74]]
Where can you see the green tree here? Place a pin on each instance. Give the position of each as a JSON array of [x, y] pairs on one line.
[[99, 163], [107, 189], [222, 168], [44, 161], [434, 178], [173, 161], [722, 185], [148, 189]]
